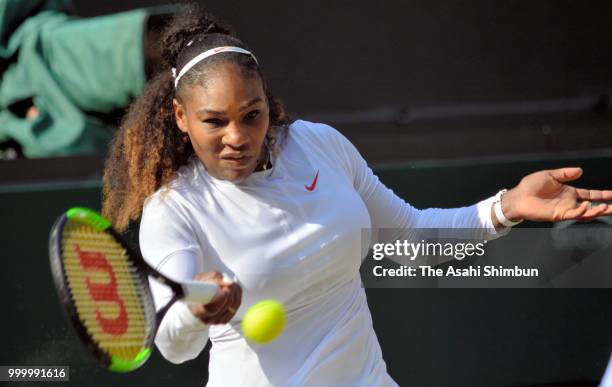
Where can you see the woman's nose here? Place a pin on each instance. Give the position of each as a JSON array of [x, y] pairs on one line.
[[235, 136]]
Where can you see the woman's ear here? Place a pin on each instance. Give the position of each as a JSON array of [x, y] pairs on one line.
[[180, 115]]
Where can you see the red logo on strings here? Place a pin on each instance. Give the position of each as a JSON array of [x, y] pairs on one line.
[[96, 261]]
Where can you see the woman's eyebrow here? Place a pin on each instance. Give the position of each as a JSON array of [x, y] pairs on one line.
[[219, 113], [209, 111], [251, 103]]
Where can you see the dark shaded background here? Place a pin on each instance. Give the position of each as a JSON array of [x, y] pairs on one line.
[[324, 58]]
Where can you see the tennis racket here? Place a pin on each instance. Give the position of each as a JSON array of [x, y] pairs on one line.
[[102, 284]]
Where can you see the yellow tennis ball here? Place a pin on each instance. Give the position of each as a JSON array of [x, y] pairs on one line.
[[264, 321]]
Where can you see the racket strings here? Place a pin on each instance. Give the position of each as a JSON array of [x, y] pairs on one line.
[[107, 291]]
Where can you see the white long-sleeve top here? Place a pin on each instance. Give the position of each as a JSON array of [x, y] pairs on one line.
[[283, 241]]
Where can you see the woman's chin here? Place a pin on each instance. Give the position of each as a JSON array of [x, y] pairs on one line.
[[236, 175], [232, 171]]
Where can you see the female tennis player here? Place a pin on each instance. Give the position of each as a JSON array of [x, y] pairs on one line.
[[225, 182]]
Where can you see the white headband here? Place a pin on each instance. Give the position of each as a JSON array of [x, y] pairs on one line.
[[205, 55]]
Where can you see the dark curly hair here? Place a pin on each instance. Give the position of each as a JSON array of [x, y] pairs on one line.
[[148, 148]]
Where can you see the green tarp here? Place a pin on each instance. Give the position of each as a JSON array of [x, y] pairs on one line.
[[69, 68]]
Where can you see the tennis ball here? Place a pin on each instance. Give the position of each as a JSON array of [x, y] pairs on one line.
[[264, 321]]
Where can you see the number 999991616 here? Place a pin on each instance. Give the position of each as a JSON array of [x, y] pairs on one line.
[[34, 373]]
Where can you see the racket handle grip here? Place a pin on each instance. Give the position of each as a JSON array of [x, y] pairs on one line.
[[199, 292]]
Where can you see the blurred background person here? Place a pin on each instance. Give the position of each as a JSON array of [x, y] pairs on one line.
[[66, 80]]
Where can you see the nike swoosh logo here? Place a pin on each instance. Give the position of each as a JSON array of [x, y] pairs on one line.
[[314, 183]]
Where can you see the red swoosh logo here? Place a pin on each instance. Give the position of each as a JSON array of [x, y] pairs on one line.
[[314, 183]]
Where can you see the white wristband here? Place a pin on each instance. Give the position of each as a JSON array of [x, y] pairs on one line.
[[498, 210]]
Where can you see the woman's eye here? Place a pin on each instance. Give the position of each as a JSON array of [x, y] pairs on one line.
[[214, 121], [253, 114]]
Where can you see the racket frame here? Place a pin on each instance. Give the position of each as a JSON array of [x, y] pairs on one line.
[[63, 292], [143, 269]]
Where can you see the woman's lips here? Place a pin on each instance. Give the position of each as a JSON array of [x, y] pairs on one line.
[[237, 161]]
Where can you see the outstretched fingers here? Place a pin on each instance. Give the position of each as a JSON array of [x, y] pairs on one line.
[[594, 212], [586, 211], [594, 195], [574, 213]]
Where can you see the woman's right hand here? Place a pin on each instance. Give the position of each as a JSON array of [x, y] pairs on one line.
[[224, 305]]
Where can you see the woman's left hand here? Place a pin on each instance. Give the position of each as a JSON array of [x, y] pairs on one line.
[[544, 196]]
